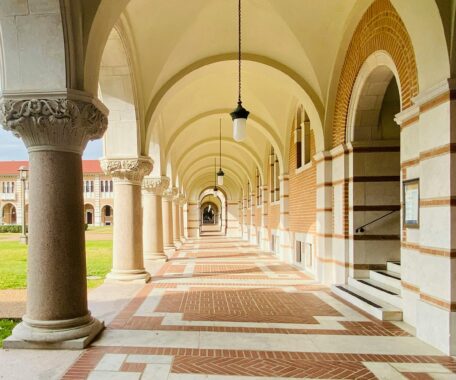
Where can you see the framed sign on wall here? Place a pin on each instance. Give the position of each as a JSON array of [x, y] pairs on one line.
[[411, 203]]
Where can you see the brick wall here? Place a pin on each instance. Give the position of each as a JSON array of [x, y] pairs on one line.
[[381, 28], [302, 192]]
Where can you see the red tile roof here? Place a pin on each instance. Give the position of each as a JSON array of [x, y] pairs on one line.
[[12, 167]]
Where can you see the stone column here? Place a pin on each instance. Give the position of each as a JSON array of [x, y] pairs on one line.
[[153, 218], [252, 221], [193, 219], [264, 244], [286, 248], [182, 202], [176, 224], [127, 258], [55, 131], [167, 199]]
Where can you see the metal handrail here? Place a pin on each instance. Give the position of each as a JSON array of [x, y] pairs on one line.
[[361, 229]]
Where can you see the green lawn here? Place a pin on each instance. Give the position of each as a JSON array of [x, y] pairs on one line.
[[6, 326], [13, 266], [13, 263]]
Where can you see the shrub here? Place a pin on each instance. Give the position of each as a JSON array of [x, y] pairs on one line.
[[11, 228]]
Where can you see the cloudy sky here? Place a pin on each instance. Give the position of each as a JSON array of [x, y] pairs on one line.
[[13, 149]]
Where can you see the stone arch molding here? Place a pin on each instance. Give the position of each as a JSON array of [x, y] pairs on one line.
[[375, 61], [380, 30]]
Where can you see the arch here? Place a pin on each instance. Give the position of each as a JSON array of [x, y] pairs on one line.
[[107, 215], [233, 160], [260, 125], [302, 83], [9, 214], [373, 136], [118, 90], [209, 170], [376, 73], [198, 145], [89, 214], [380, 29]]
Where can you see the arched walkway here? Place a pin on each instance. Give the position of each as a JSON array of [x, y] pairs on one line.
[[220, 307]]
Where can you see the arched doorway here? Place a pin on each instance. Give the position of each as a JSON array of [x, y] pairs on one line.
[[89, 214], [212, 214], [9, 214], [107, 215], [374, 188], [209, 214]]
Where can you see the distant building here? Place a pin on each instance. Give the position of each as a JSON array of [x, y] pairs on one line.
[[97, 187]]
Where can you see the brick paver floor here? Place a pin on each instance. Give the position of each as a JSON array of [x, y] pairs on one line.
[[219, 309]]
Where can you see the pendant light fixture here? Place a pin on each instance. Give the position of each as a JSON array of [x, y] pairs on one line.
[[220, 173], [240, 114], [215, 181]]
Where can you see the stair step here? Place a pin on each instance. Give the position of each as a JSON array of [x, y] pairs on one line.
[[378, 290], [394, 266], [366, 302], [386, 277]]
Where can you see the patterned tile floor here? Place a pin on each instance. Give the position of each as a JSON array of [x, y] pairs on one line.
[[219, 309]]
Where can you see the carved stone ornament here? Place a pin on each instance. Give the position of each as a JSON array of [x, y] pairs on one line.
[[182, 199], [156, 185], [53, 124], [127, 169], [168, 195]]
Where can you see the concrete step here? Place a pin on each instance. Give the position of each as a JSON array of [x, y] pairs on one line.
[[394, 266], [366, 302], [386, 277], [378, 290]]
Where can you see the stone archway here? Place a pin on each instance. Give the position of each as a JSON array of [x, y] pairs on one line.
[[209, 214], [9, 215], [374, 148], [107, 215], [89, 213]]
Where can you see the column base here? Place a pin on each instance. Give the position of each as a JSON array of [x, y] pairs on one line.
[[70, 334], [139, 275], [156, 257], [177, 244]]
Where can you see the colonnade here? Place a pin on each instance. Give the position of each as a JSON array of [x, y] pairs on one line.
[[55, 131]]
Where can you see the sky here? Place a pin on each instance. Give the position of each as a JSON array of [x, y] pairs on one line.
[[13, 149]]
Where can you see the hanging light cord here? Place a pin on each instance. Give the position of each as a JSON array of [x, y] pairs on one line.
[[220, 124], [239, 50]]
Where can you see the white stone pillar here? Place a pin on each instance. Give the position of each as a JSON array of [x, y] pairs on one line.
[[127, 258], [182, 202], [193, 220], [324, 211], [252, 221], [153, 218], [264, 244], [167, 203], [245, 228], [286, 248], [55, 131], [176, 224]]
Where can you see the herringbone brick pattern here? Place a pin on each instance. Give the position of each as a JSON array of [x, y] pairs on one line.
[[187, 297]]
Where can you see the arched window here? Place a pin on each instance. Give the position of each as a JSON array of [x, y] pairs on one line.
[[102, 186], [274, 176], [306, 133], [298, 137], [111, 186]]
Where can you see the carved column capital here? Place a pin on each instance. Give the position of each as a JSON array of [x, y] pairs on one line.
[[131, 170], [168, 195], [182, 199], [156, 185], [60, 123]]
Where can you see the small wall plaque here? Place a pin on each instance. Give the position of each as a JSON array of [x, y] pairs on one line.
[[412, 203]]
